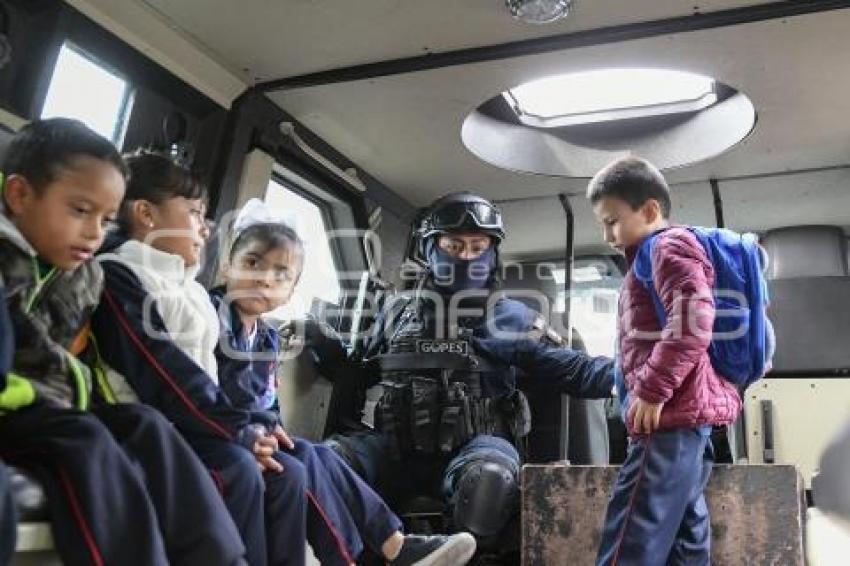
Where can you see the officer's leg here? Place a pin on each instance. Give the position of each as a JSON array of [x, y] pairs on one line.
[[654, 487], [8, 521], [482, 484], [100, 510], [195, 524], [236, 475], [368, 454], [693, 541]]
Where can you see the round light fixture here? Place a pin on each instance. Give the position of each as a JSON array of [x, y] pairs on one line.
[[571, 125], [539, 11]]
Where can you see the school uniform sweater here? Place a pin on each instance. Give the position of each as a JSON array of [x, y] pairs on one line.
[[156, 333]]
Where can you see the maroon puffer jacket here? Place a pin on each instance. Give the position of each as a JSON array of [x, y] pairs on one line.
[[673, 366]]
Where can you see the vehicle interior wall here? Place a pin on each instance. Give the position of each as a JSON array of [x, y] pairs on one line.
[[753, 204], [165, 109], [401, 130], [254, 123]]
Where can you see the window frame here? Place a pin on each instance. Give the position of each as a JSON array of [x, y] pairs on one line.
[[336, 214], [126, 106], [326, 203], [616, 263]]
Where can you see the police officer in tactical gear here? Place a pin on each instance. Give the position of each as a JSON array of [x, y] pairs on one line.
[[451, 418]]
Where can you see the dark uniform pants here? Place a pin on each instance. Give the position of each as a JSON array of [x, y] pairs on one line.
[[122, 485], [657, 514], [315, 499], [269, 508], [357, 516]]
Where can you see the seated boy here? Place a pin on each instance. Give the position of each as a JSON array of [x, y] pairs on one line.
[[671, 394], [122, 485]]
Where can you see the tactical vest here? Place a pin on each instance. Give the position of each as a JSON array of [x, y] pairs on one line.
[[432, 400]]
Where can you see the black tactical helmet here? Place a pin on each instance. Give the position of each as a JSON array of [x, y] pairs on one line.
[[461, 211]]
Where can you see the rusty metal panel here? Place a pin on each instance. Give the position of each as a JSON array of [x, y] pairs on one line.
[[756, 511]]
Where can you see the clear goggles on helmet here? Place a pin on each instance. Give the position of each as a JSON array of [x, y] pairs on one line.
[[460, 215]]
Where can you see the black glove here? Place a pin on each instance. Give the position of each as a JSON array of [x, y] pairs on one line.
[[322, 342]]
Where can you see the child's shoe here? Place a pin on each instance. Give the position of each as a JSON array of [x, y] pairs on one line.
[[436, 550]]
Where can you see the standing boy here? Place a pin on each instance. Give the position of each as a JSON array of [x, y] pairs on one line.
[[670, 393]]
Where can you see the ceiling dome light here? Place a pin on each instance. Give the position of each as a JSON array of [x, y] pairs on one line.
[[539, 11], [609, 94], [572, 125]]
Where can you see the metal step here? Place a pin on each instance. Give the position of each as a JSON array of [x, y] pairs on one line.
[[757, 514]]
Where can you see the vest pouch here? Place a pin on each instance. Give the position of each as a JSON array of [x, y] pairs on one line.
[[508, 416], [393, 412], [425, 411], [521, 415], [456, 427]]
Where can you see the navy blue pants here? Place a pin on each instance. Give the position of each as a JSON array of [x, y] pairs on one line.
[[657, 513], [277, 513], [269, 509], [122, 485], [7, 518], [357, 515]]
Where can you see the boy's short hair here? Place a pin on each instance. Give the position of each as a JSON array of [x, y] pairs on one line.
[[43, 147], [156, 177], [633, 180]]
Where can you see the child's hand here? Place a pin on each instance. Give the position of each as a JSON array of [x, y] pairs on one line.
[[283, 439], [264, 449], [644, 416]]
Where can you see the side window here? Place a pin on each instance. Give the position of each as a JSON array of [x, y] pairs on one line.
[[82, 89], [594, 294], [319, 279]]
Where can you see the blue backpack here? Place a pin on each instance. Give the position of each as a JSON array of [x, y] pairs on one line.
[[742, 340]]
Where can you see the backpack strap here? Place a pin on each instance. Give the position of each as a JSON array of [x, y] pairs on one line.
[[643, 270]]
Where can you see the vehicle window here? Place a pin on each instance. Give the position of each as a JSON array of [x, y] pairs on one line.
[[593, 302], [82, 89], [319, 280]]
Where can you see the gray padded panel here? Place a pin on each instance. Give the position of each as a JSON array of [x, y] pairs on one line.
[[811, 317], [806, 251]]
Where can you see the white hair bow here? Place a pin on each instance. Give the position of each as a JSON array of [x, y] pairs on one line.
[[256, 211]]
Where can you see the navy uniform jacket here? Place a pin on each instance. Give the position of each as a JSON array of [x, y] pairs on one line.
[[512, 335], [248, 380], [160, 373]]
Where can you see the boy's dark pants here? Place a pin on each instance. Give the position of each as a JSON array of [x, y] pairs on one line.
[[657, 513], [122, 485], [7, 518], [357, 514]]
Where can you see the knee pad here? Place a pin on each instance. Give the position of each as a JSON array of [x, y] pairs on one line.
[[485, 498]]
